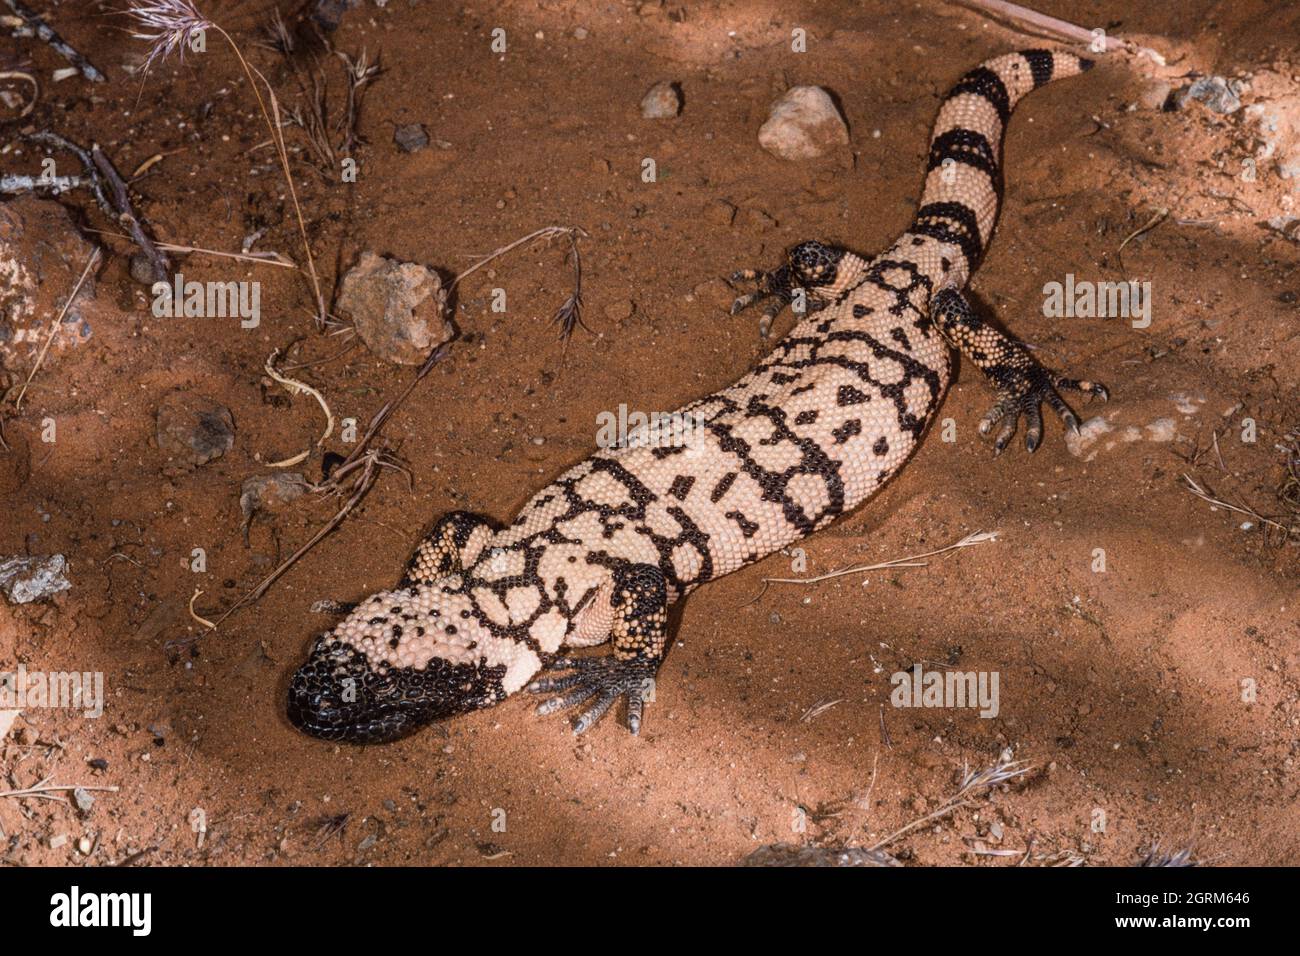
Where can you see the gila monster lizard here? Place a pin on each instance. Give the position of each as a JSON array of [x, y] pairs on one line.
[[809, 434]]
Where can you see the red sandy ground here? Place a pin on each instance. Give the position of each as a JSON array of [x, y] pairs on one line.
[[1123, 688]]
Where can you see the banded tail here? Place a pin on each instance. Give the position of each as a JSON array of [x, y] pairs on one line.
[[963, 182]]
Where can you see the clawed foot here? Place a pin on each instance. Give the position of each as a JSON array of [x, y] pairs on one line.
[[604, 678], [1024, 390], [771, 287]]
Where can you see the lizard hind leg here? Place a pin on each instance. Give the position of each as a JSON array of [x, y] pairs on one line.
[[1021, 383], [639, 632]]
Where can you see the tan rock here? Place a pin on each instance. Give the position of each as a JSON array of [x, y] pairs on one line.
[[803, 124], [398, 308]]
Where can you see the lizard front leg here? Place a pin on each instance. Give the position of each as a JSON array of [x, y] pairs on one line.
[[452, 545], [638, 599], [1022, 384], [819, 270]]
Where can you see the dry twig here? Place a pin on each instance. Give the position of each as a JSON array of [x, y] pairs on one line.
[[45, 787], [175, 22], [569, 315], [116, 204], [1042, 23], [54, 329], [27, 78], [972, 785], [295, 387], [45, 33], [1206, 494], [1150, 224]]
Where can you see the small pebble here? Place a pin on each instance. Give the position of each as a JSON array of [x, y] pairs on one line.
[[662, 101], [411, 138]]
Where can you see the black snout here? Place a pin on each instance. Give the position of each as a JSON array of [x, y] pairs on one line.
[[338, 695]]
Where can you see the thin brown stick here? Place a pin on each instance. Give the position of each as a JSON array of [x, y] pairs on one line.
[[546, 232], [277, 133], [1150, 224], [44, 788], [569, 315], [100, 169], [911, 561], [1003, 770], [1250, 512], [1042, 22], [46, 34], [359, 489], [126, 215], [54, 329], [261, 258]]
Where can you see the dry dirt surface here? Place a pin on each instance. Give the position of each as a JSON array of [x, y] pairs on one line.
[[1145, 639]]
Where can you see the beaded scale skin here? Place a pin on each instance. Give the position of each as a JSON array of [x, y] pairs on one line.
[[814, 430]]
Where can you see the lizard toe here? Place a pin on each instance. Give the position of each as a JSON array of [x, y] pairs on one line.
[[604, 678]]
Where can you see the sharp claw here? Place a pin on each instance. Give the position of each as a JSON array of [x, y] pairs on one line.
[[549, 685], [595, 712], [1031, 443], [738, 306], [568, 700]]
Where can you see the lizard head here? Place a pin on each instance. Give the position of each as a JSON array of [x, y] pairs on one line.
[[813, 264], [405, 658]]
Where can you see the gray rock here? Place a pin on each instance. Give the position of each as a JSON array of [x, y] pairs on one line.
[[329, 13], [194, 429], [398, 308], [262, 494], [411, 138], [803, 124], [1217, 93], [23, 579], [662, 101], [41, 256]]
